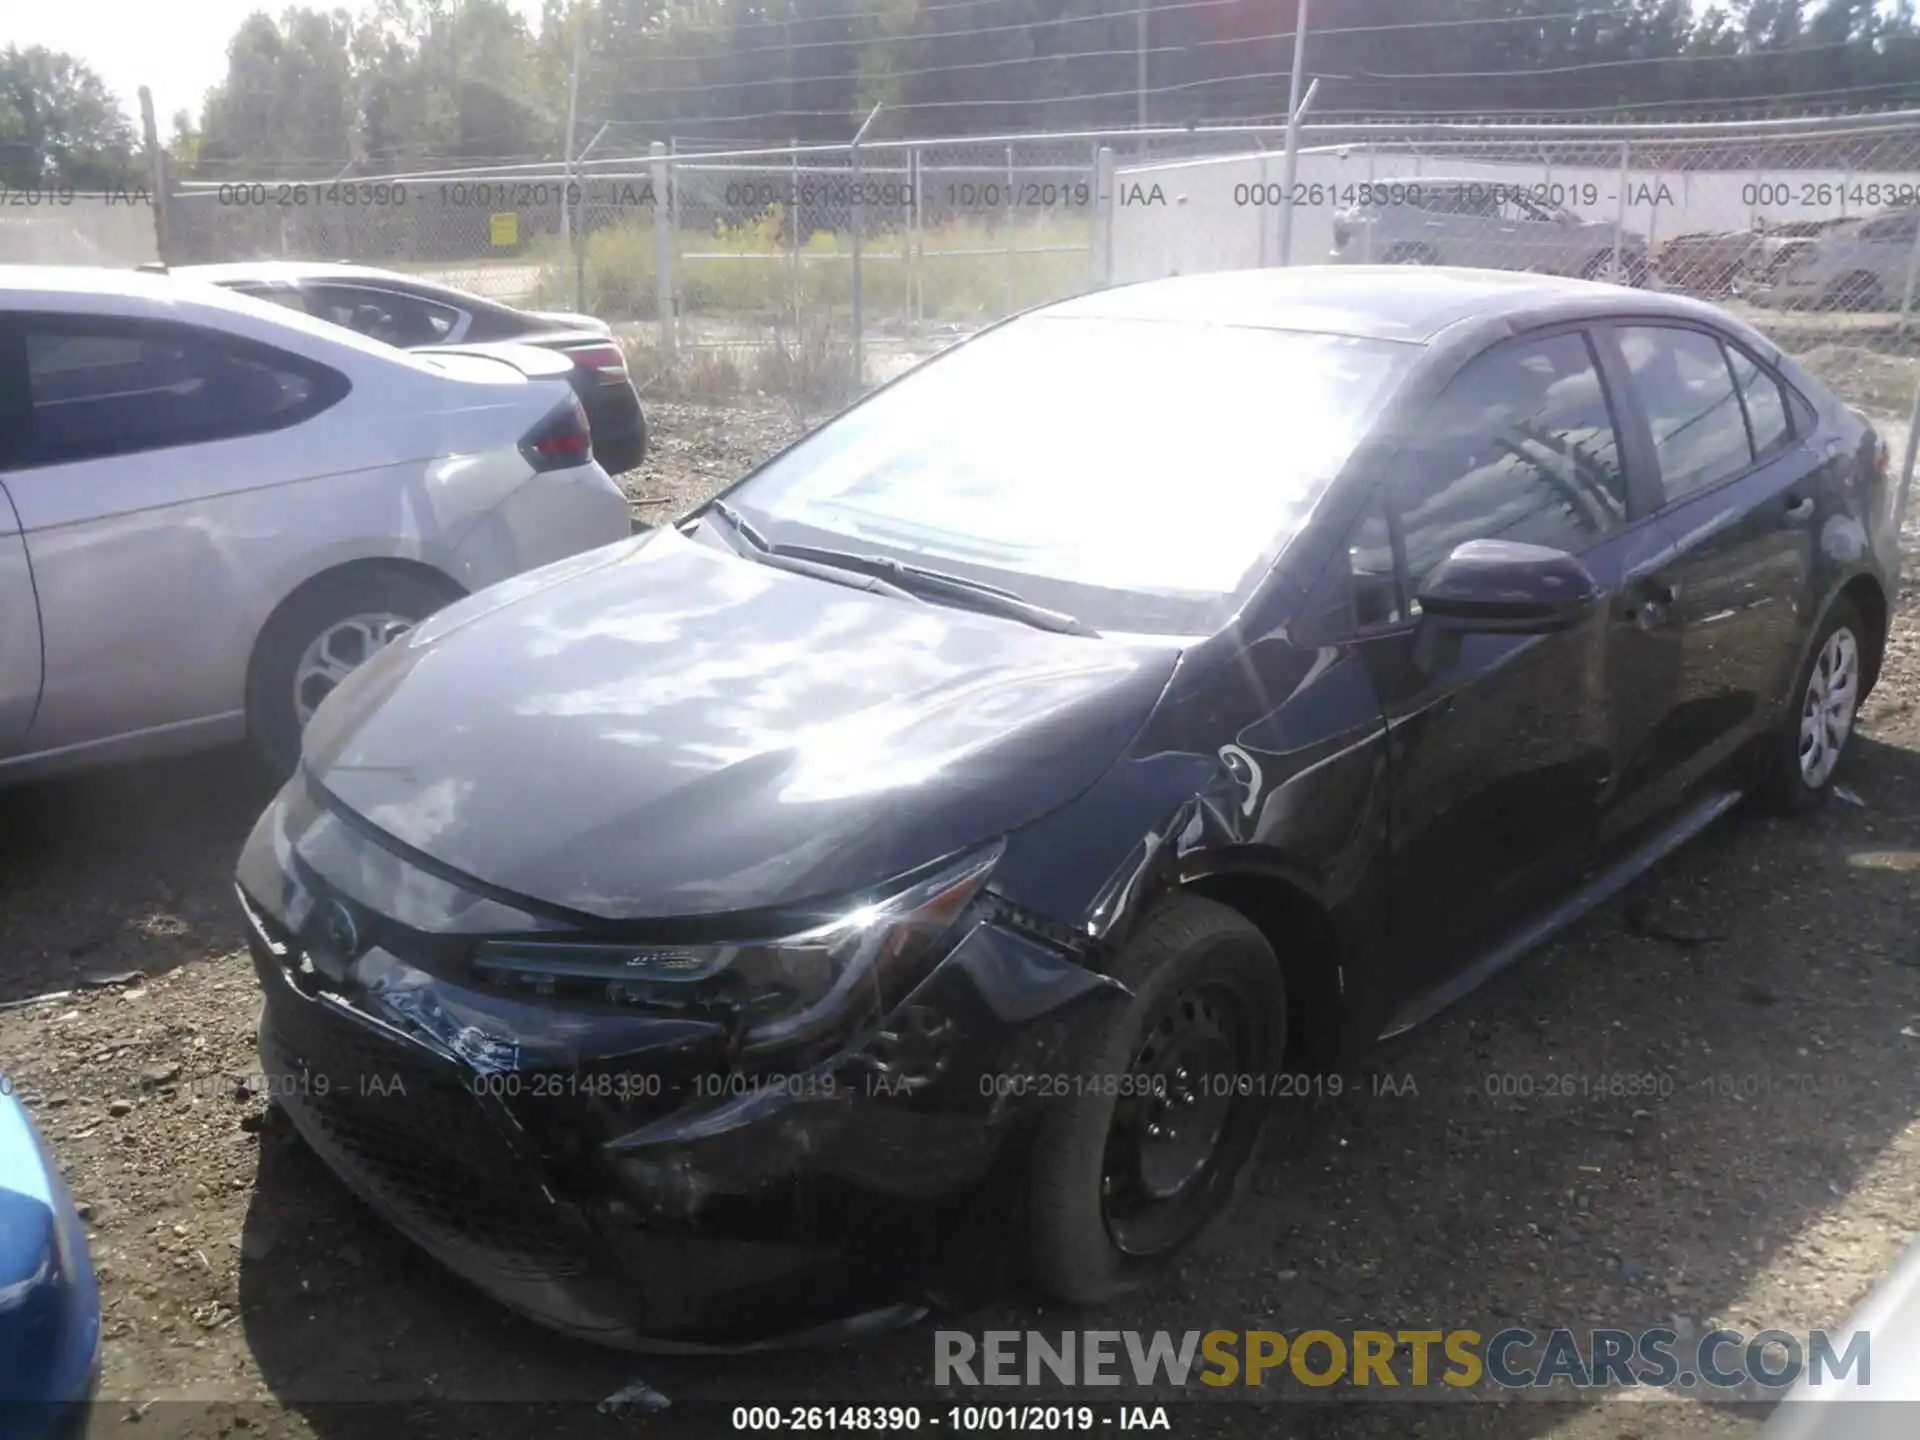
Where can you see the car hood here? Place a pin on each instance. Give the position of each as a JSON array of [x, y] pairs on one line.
[[663, 729]]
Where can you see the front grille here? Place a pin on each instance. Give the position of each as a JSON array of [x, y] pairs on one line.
[[405, 1128]]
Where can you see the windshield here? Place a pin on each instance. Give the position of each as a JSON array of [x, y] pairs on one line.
[[1138, 475]]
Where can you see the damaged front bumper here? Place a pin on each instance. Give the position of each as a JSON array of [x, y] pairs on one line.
[[620, 1175]]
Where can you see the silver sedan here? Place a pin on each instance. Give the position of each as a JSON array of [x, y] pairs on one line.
[[213, 509]]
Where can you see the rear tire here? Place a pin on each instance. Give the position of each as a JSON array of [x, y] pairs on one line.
[[1633, 269], [1116, 1191], [319, 636], [1805, 754], [1859, 291]]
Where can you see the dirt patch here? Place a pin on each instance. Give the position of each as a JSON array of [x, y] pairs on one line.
[[1877, 383], [1764, 976], [698, 449]]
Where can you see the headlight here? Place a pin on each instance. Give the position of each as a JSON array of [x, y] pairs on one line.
[[781, 991]]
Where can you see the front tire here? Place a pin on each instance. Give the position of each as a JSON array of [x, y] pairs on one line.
[[320, 636], [1807, 751], [1147, 1147]]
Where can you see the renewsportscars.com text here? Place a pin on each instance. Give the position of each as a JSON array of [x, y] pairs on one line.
[[1727, 1364]]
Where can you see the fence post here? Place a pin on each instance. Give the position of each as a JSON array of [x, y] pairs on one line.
[[1913, 276], [1296, 107], [1906, 466], [859, 232], [662, 177], [1366, 230], [1617, 268], [916, 278], [859, 218], [1006, 227], [1103, 214], [580, 251], [1259, 213], [157, 174], [794, 211]]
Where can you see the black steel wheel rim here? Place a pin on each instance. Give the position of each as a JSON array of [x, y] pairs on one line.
[[1180, 1122]]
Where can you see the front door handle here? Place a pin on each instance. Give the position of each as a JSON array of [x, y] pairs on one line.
[[1651, 602], [1799, 508]]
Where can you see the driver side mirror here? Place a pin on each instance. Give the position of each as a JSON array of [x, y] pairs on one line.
[[1504, 587]]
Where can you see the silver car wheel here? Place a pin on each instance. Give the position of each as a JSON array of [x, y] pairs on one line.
[[1826, 711], [336, 653]]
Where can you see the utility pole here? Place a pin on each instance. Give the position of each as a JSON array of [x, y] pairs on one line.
[[1294, 108]]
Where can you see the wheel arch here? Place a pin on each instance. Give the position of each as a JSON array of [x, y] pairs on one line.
[[1307, 940], [1870, 599]]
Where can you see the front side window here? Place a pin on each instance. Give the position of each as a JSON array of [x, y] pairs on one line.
[[113, 388], [1520, 446], [1136, 474], [1481, 200], [1375, 583], [1686, 387]]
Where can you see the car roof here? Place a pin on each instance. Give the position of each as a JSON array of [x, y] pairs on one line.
[[90, 287], [1408, 303], [285, 272], [98, 290]]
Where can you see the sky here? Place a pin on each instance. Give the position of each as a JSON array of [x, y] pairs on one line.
[[178, 49]]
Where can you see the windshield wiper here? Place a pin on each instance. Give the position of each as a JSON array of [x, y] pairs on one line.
[[747, 541], [910, 581]]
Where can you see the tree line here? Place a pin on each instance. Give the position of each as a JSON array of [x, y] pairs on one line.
[[411, 83]]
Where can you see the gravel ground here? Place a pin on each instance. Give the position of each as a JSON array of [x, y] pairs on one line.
[[1768, 971]]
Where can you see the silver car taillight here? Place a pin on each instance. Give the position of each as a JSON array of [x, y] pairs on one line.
[[561, 440]]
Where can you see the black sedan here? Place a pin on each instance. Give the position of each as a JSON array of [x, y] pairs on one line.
[[926, 861], [419, 314]]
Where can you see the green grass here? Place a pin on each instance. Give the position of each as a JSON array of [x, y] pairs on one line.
[[750, 270]]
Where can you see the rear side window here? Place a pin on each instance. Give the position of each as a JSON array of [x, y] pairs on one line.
[[97, 388], [1765, 399], [285, 296], [1685, 385], [1891, 227], [1520, 446], [384, 315]]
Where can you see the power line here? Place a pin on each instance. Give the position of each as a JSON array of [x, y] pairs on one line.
[[1591, 65], [1126, 16], [1714, 103], [1069, 57], [1177, 88], [1061, 58]]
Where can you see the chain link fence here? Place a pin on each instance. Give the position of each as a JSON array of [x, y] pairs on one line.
[[812, 270], [1808, 229], [65, 227]]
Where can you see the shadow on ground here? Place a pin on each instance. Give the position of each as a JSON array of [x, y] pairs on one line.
[[122, 870]]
